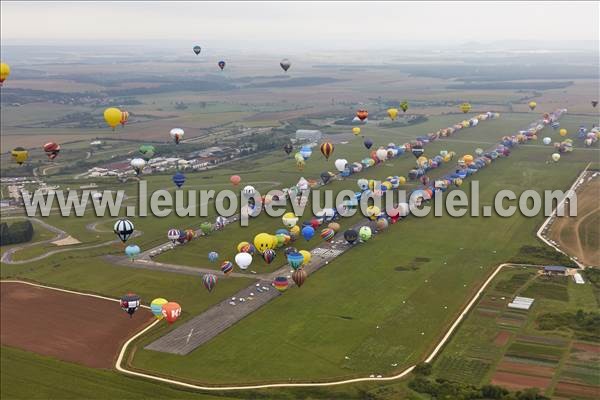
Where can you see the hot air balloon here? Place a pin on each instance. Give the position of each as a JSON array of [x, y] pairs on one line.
[[213, 256], [249, 190], [295, 260], [547, 140], [173, 235], [363, 184], [147, 151], [221, 64], [404, 106], [132, 251], [381, 154], [306, 256], [368, 143], [197, 49], [325, 177], [235, 180], [156, 307], [417, 151], [176, 134], [285, 64], [124, 118], [594, 103], [52, 149], [364, 233], [392, 113], [305, 152], [308, 232], [356, 131], [299, 276], [350, 235], [362, 114], [563, 132], [171, 311], [206, 228], [555, 157], [340, 164], [112, 116], [532, 105], [289, 219], [465, 107], [226, 267], [288, 148], [269, 255], [243, 260], [130, 303], [4, 72], [20, 155], [138, 165], [263, 241], [124, 229], [281, 283], [209, 281], [327, 234], [178, 179], [327, 149]]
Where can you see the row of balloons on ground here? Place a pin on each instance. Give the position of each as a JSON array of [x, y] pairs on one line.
[[265, 243], [124, 228]]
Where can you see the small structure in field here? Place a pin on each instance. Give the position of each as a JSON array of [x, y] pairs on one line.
[[556, 270], [578, 278], [521, 303]]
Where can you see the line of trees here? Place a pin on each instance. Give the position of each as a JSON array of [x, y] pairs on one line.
[[445, 389], [17, 232]]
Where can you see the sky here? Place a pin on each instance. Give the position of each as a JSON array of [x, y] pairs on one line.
[[325, 23]]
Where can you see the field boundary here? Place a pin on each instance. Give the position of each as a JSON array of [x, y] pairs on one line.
[[400, 375], [544, 228]]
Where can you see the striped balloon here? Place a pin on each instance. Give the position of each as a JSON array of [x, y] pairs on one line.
[[281, 283], [124, 229], [327, 149], [299, 276], [226, 267], [209, 281], [269, 256]]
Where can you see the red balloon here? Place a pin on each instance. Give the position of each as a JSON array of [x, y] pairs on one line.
[[235, 179], [171, 311], [362, 114]]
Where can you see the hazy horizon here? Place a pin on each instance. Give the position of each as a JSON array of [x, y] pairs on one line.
[[266, 25]]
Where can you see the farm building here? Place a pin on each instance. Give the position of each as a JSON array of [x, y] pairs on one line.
[[521, 303], [578, 278], [555, 270]]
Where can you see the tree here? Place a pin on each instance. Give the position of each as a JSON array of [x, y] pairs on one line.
[[423, 369]]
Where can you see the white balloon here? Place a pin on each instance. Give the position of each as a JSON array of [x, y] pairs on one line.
[[138, 163], [243, 260], [555, 157], [249, 190], [340, 164], [381, 154]]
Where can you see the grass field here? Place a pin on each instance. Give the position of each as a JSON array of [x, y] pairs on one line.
[[329, 324], [306, 323]]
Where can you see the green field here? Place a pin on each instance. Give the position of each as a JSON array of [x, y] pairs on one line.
[[331, 324], [527, 345]]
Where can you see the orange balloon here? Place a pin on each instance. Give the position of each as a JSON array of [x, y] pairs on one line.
[[235, 179], [362, 114], [171, 311]]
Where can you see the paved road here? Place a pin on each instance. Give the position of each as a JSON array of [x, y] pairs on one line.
[[218, 318]]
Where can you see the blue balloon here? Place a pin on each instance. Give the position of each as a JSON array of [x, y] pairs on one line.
[[282, 232], [132, 251], [368, 143], [179, 179], [308, 232], [295, 260], [213, 256]]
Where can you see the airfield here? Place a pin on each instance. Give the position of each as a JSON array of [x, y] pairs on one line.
[[367, 312]]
